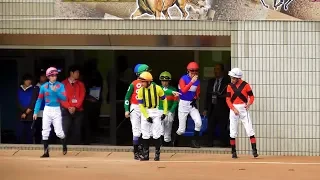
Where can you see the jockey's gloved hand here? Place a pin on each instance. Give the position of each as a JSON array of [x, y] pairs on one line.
[[163, 116], [149, 119]]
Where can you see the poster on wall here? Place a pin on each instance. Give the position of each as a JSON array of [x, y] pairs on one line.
[[189, 9]]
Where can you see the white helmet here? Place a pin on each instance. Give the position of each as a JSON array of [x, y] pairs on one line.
[[235, 72]]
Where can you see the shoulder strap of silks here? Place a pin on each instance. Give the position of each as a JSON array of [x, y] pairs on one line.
[[149, 98], [144, 96], [155, 95], [237, 92]]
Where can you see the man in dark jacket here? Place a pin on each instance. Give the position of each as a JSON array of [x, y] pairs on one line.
[[26, 96], [216, 107]]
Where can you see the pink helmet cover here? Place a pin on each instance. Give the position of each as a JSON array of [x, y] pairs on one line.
[[51, 71]]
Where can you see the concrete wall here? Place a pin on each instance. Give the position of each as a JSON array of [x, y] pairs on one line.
[[281, 60]]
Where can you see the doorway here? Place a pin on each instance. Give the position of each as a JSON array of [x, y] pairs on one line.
[[8, 110], [159, 61]]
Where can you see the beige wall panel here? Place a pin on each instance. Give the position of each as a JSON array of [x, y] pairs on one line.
[[281, 61]]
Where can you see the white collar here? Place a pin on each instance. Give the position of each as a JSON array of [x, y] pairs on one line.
[[24, 89], [72, 81], [51, 83]]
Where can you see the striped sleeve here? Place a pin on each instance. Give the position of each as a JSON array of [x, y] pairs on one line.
[[141, 103], [163, 98]]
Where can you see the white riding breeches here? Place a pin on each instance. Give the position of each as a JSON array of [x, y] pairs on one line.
[[135, 119], [244, 117], [184, 110], [154, 129], [52, 115], [167, 126]]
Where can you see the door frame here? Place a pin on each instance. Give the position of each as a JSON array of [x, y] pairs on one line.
[[136, 48]]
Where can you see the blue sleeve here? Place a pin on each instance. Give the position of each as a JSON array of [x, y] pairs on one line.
[[39, 100], [61, 93]]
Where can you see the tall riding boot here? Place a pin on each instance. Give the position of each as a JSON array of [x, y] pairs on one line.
[[145, 150], [233, 148], [136, 152], [140, 146], [46, 149], [194, 142], [64, 146], [166, 144], [157, 151], [162, 143], [254, 146], [175, 140]]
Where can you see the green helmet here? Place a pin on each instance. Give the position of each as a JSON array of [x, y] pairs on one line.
[[165, 76], [142, 68]]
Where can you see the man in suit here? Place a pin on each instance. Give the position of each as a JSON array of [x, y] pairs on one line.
[[216, 107]]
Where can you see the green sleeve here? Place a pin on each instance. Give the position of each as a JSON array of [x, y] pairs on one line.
[[127, 98], [175, 103]]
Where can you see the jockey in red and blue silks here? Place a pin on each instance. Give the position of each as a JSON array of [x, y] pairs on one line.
[[52, 92], [189, 87]]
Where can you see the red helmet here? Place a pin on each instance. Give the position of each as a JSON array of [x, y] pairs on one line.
[[193, 66]]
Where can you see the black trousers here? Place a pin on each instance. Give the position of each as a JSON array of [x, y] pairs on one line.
[[218, 119], [91, 119], [72, 124]]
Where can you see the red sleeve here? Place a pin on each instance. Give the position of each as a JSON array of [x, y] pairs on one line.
[[228, 98], [197, 92], [65, 103], [250, 94], [183, 87], [82, 93]]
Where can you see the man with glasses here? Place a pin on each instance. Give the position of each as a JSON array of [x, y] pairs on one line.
[[189, 87], [165, 78]]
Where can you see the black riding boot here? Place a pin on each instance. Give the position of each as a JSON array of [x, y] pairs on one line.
[[136, 152], [254, 146], [175, 140], [64, 146], [46, 149], [254, 150], [157, 151], [233, 148], [194, 142], [140, 147], [162, 141], [145, 156], [166, 144]]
